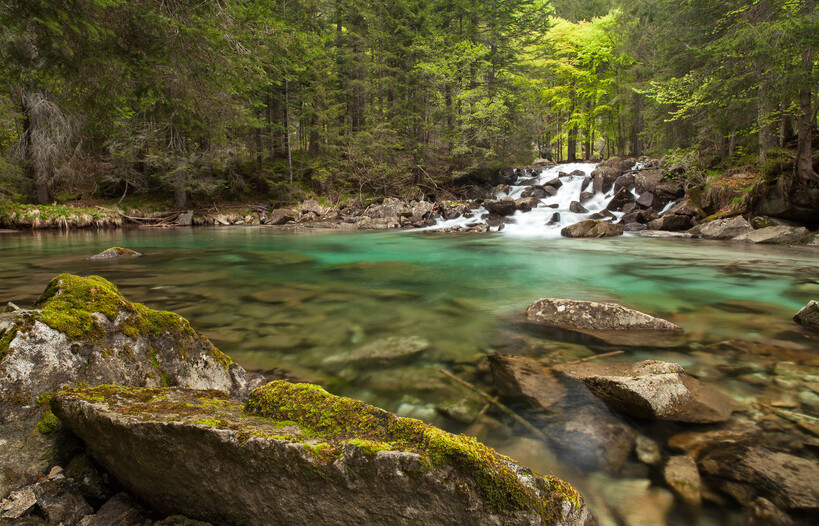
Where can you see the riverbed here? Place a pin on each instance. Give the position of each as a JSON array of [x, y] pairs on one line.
[[303, 304]]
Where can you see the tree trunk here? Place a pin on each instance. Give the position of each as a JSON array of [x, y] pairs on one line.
[[637, 129], [804, 155], [572, 144]]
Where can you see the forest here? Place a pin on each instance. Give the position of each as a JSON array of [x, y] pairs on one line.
[[276, 99]]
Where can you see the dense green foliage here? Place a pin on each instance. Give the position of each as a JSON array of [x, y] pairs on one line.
[[270, 98]]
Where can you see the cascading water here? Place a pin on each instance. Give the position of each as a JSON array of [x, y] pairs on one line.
[[552, 212]]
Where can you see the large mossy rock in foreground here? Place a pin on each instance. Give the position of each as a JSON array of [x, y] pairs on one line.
[[82, 330], [295, 454]]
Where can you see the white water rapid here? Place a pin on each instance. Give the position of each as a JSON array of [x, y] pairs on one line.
[[541, 221]]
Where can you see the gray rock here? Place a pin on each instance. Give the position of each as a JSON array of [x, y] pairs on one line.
[[647, 180], [501, 207], [653, 390], [120, 510], [808, 316], [592, 228], [624, 181], [60, 502], [603, 214], [538, 192], [589, 315], [526, 204], [671, 222], [382, 353], [554, 219], [621, 198], [577, 425], [681, 475], [281, 217], [311, 206], [585, 196], [199, 454], [747, 471], [647, 450], [776, 235], [91, 483], [724, 228], [19, 503], [185, 218], [576, 208], [116, 252], [646, 200], [420, 210], [763, 512], [84, 330]]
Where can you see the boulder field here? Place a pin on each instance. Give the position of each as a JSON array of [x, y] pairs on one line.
[[87, 376]]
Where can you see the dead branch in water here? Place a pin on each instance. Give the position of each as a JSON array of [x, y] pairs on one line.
[[494, 401]]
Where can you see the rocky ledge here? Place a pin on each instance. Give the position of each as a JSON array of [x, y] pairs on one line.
[[295, 454]]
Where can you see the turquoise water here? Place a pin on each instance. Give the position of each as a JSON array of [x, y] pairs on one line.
[[295, 302]]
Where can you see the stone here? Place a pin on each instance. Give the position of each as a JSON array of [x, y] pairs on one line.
[[538, 192], [687, 208], [386, 352], [589, 315], [624, 181], [60, 502], [776, 235], [554, 183], [808, 316], [576, 208], [281, 217], [20, 503], [91, 483], [592, 228], [653, 390], [747, 471], [421, 210], [585, 196], [577, 425], [635, 501], [83, 330], [501, 207], [295, 454], [647, 180], [180, 520], [526, 380], [646, 199], [116, 252], [185, 219], [724, 228], [681, 475], [526, 204], [554, 219], [647, 450], [671, 222], [311, 206], [603, 214], [763, 512], [120, 510], [621, 198], [464, 410]]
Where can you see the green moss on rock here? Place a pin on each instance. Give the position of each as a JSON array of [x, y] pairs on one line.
[[70, 303], [345, 419], [48, 422]]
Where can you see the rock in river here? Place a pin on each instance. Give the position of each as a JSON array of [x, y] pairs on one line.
[[592, 228], [382, 353], [589, 315], [84, 330], [296, 454], [749, 471], [653, 390], [116, 252], [808, 316]]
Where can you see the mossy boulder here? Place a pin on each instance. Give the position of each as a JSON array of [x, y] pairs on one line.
[[295, 454], [116, 252], [82, 330]]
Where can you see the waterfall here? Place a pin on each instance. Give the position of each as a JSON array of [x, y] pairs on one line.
[[542, 220]]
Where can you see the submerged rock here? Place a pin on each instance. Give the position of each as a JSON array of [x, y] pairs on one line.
[[652, 390], [746, 472], [84, 330], [577, 425], [382, 353], [589, 315], [296, 454], [592, 228], [682, 477], [116, 252], [808, 316]]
